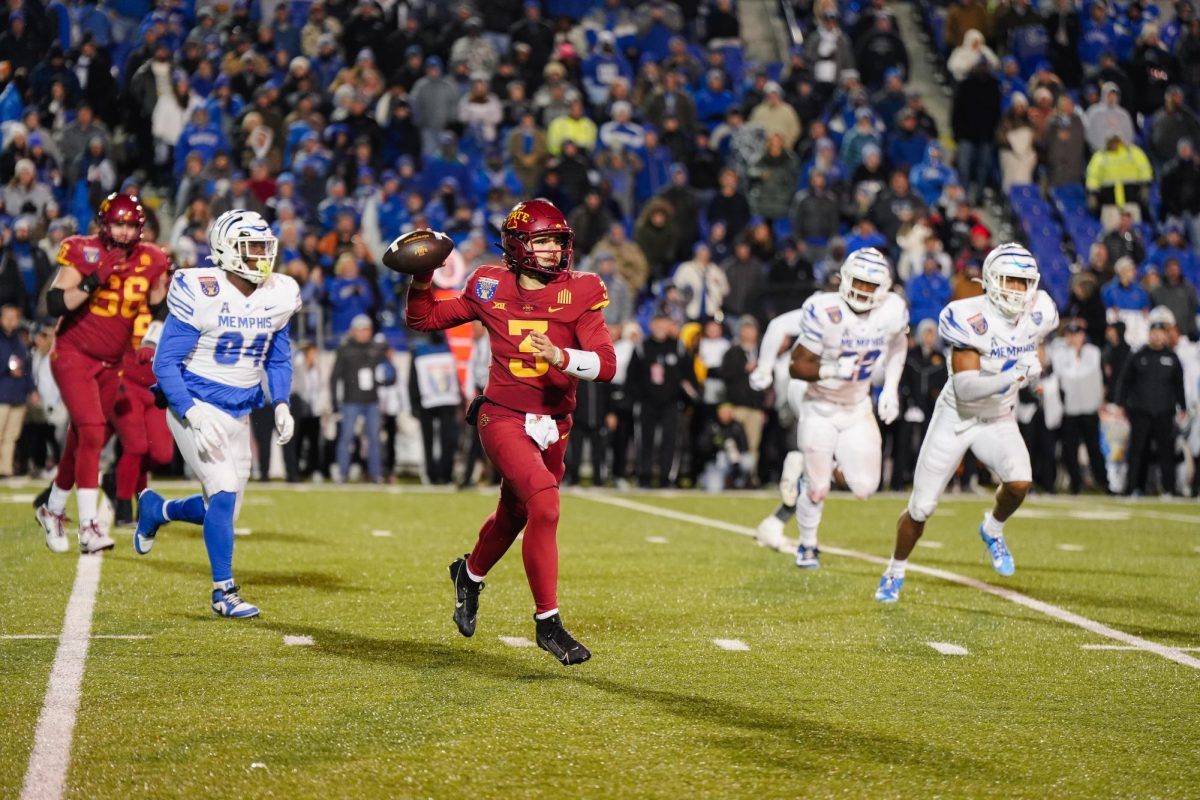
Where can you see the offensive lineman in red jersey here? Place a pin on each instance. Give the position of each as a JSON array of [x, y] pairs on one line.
[[546, 333], [103, 281]]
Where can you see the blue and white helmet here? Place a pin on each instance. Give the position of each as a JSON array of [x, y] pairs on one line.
[[242, 243], [867, 265], [1010, 279]]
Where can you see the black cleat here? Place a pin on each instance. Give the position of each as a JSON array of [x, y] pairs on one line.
[[554, 639], [466, 597], [124, 515], [43, 497]]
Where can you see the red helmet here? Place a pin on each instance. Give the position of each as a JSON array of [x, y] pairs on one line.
[[120, 209], [528, 220]]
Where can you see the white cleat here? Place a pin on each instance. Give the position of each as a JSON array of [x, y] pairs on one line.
[[770, 534], [93, 540], [55, 527]]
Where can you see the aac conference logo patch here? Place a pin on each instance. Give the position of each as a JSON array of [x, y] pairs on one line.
[[835, 314], [485, 288], [978, 324], [209, 287]]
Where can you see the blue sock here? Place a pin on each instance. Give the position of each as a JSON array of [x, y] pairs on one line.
[[189, 509], [218, 535]]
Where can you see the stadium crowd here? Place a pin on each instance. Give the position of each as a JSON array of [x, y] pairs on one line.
[[710, 194]]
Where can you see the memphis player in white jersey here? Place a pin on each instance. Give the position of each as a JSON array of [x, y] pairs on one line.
[[995, 342], [843, 338], [227, 328]]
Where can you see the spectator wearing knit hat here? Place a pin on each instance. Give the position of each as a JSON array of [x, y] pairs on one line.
[[1107, 118]]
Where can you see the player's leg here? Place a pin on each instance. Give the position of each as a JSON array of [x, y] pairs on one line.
[[51, 512], [79, 379], [940, 454], [818, 440], [128, 419], [770, 531], [154, 510], [859, 455], [225, 487], [1000, 447], [539, 551]]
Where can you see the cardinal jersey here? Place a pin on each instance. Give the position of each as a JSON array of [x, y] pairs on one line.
[[101, 327], [567, 310], [226, 340], [832, 330], [972, 324]]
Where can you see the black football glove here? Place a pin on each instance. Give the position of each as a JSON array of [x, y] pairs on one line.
[[90, 283]]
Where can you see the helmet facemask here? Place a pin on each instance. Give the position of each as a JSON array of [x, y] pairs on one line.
[[866, 279], [257, 258], [1011, 294], [242, 243]]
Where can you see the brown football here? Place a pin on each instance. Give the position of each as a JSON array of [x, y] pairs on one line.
[[418, 251]]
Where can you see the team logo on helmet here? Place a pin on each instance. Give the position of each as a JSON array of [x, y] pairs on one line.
[[835, 314], [485, 288], [978, 324], [209, 286]]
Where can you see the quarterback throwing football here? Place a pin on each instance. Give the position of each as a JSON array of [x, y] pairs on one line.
[[227, 325], [994, 341], [546, 333]]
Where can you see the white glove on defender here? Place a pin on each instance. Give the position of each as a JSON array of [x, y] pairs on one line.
[[761, 380], [206, 429], [1027, 370], [889, 405], [285, 426], [844, 369]]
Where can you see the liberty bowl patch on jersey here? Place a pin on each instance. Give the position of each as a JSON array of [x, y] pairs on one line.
[[1036, 317], [485, 288], [209, 286], [91, 255], [835, 314], [978, 324]]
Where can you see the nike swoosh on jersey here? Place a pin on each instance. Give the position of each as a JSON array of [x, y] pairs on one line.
[[552, 309]]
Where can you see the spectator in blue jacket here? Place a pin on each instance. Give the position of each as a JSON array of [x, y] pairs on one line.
[[349, 295], [928, 292], [932, 175], [603, 67], [200, 135], [854, 141], [1124, 293], [16, 385], [1172, 246], [1097, 37], [907, 144], [714, 100]]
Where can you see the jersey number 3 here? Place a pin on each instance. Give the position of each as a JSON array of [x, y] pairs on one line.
[[516, 366], [228, 348]]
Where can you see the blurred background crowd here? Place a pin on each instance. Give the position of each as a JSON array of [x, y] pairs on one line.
[[716, 158]]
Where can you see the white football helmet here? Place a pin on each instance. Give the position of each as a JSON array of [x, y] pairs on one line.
[[867, 265], [1010, 279], [242, 243]]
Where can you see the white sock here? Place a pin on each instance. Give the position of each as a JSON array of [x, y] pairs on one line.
[[808, 519], [895, 568], [223, 585], [87, 500], [58, 499], [991, 526], [546, 614], [474, 577]]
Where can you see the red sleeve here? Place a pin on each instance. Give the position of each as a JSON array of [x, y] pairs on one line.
[[592, 332], [70, 254], [425, 313]]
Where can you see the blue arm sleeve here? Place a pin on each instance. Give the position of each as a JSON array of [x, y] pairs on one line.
[[279, 366], [177, 342]]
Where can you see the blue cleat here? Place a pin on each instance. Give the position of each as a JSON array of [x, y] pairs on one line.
[[808, 557], [150, 519], [228, 603], [889, 589], [1002, 560]]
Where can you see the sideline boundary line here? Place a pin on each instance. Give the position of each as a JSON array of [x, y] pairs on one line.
[[46, 775], [1042, 607]]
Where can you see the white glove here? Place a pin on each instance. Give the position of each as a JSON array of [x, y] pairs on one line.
[[206, 429], [760, 380], [285, 426], [1027, 370], [843, 369], [889, 405]]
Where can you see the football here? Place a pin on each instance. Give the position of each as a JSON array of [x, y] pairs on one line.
[[418, 251]]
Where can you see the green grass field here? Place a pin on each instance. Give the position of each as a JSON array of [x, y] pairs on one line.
[[835, 696]]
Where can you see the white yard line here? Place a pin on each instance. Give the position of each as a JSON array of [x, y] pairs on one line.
[[1128, 647], [298, 641], [46, 775], [517, 641], [656, 540], [1090, 625], [57, 636], [948, 649], [381, 534], [732, 644]]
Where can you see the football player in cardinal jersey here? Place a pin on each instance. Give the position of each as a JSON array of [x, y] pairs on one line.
[[546, 333], [843, 338], [995, 341], [227, 326], [103, 283]]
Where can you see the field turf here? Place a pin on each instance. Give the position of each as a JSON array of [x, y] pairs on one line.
[[836, 694]]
